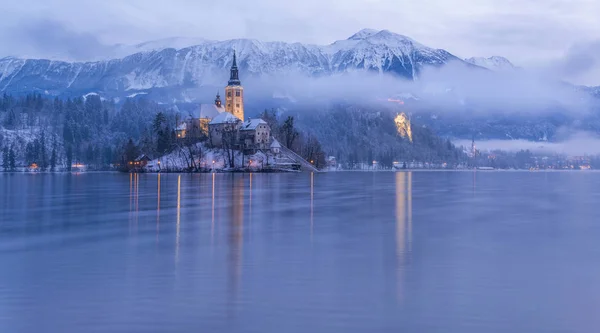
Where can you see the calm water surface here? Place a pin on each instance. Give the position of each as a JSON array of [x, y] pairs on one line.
[[336, 252]]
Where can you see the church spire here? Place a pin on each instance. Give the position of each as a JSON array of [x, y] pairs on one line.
[[218, 100], [234, 78]]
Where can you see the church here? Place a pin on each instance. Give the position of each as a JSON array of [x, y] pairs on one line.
[[224, 124], [195, 124]]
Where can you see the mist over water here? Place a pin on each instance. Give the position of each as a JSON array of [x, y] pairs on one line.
[[578, 144]]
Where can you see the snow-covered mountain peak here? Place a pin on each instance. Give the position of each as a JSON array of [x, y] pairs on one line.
[[382, 37], [173, 71], [172, 42], [494, 63], [364, 33]]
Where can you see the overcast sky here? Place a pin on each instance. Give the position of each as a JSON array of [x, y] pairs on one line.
[[528, 32]]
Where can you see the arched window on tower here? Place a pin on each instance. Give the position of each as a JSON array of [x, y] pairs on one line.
[[229, 94], [237, 93]]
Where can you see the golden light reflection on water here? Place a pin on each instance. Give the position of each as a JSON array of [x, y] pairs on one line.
[[212, 222], [158, 208], [403, 213], [312, 197], [130, 192], [137, 199], [130, 200], [178, 218], [236, 235], [403, 224], [134, 192], [249, 226]]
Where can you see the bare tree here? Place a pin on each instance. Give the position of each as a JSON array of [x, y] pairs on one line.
[[312, 151], [229, 140], [289, 132]]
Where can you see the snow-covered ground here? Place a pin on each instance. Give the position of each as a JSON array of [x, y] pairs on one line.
[[208, 159]]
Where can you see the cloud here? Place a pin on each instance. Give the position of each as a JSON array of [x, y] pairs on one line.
[[578, 144], [451, 88], [53, 39], [523, 30], [580, 64]]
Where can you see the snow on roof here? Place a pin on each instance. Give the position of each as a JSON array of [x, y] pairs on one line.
[[275, 144], [224, 118], [206, 111], [252, 124], [181, 127], [143, 157]]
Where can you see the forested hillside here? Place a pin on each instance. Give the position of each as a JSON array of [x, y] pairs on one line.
[[54, 134], [362, 134], [88, 130]]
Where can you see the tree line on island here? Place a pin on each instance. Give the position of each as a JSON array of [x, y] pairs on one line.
[[53, 133]]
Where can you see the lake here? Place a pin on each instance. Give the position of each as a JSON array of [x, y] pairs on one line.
[[331, 252]]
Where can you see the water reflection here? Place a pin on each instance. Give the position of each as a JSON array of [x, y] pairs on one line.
[[367, 271], [134, 192], [158, 209], [312, 196], [178, 218], [474, 181], [403, 214], [130, 201], [403, 224], [212, 221], [236, 236], [137, 199], [250, 206]]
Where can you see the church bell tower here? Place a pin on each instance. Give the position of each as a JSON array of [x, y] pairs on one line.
[[234, 92]]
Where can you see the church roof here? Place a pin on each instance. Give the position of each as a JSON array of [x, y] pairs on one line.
[[206, 111], [143, 157], [224, 118], [181, 127], [252, 124]]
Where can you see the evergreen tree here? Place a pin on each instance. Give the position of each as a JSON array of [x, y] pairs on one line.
[[43, 157], [12, 164], [53, 158], [289, 132], [131, 151], [69, 156], [5, 159]]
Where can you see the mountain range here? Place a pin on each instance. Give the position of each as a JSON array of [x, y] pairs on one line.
[[173, 73]]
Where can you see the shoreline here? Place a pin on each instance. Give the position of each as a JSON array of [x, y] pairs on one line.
[[295, 171]]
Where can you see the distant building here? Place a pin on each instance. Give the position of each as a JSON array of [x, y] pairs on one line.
[[255, 134], [225, 126], [195, 124], [139, 163], [181, 130], [331, 161], [275, 147]]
